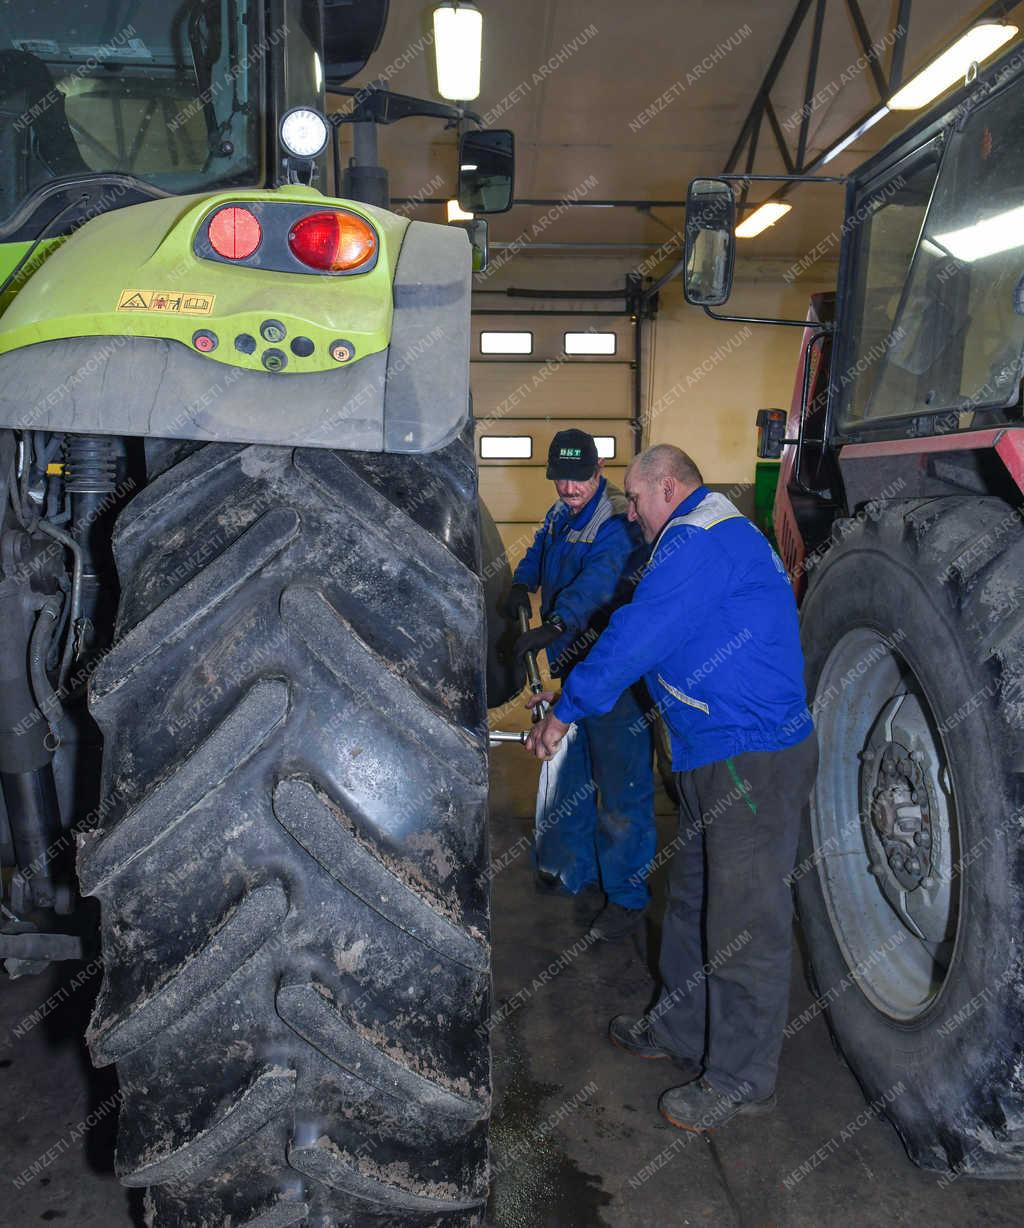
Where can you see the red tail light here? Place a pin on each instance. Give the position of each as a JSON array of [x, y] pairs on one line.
[[234, 233], [332, 241]]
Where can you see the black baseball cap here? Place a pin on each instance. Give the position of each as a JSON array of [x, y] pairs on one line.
[[572, 456]]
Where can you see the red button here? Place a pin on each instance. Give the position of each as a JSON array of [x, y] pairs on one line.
[[204, 340], [234, 233]]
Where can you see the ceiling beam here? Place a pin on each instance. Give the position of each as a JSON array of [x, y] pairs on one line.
[[780, 140], [899, 47], [860, 25], [774, 68], [811, 82]]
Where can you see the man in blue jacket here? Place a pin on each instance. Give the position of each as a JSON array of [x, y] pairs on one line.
[[596, 823], [712, 626]]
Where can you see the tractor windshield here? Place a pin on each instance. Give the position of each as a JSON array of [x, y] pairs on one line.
[[937, 315], [164, 90]]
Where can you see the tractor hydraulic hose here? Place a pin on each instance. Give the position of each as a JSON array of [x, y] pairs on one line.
[[67, 540], [38, 648]]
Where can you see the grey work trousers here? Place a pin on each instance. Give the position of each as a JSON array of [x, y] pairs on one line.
[[726, 946]]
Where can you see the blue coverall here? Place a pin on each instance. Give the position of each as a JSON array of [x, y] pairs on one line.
[[596, 822]]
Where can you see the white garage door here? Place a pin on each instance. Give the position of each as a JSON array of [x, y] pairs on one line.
[[533, 375]]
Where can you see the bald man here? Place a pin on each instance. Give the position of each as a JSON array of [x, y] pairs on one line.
[[712, 627]]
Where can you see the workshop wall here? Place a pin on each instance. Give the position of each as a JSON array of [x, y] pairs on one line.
[[703, 379], [710, 377]]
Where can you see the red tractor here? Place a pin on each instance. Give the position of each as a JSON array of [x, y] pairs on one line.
[[898, 515]]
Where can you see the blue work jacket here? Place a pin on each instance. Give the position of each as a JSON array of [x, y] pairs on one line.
[[585, 565], [712, 627]]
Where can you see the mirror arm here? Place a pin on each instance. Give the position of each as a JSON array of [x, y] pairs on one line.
[[717, 315], [380, 106], [782, 178], [662, 281]]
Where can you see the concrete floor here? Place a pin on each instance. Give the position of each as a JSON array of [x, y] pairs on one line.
[[577, 1140]]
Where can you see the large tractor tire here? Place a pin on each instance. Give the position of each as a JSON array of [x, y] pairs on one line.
[[910, 876], [294, 918]]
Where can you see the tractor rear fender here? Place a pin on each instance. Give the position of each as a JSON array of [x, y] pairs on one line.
[[129, 329], [988, 461]]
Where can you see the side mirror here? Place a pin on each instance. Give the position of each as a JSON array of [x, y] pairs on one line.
[[771, 433], [486, 170], [477, 232], [352, 33], [710, 249]]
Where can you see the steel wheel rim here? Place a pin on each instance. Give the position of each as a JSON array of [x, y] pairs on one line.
[[884, 825]]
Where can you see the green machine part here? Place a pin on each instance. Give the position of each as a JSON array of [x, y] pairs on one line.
[[133, 272], [766, 481], [126, 328]]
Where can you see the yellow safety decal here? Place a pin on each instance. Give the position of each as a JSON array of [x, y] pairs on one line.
[[178, 302]]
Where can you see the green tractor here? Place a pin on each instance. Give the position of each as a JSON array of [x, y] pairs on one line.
[[244, 651]]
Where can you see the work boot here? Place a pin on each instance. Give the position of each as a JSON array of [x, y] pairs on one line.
[[636, 1038], [702, 1109], [613, 922], [546, 883], [549, 884]]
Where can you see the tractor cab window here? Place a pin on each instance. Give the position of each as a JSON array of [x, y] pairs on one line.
[[888, 222], [958, 332], [168, 93]]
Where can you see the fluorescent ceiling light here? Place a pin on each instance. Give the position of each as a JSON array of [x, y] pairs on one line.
[[506, 343], [951, 67], [856, 134], [1001, 233], [589, 343], [455, 214], [468, 166], [458, 35], [764, 216]]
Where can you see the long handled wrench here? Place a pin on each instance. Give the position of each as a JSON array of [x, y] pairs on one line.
[[533, 671], [498, 736]]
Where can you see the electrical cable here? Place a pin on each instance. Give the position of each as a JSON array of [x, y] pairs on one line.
[[46, 698], [5, 285], [76, 593]]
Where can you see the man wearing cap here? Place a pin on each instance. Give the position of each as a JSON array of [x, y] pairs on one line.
[[597, 826]]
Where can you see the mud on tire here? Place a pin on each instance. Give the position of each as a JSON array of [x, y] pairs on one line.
[[294, 924]]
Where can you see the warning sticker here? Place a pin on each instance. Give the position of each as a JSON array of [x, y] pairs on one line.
[[179, 302]]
